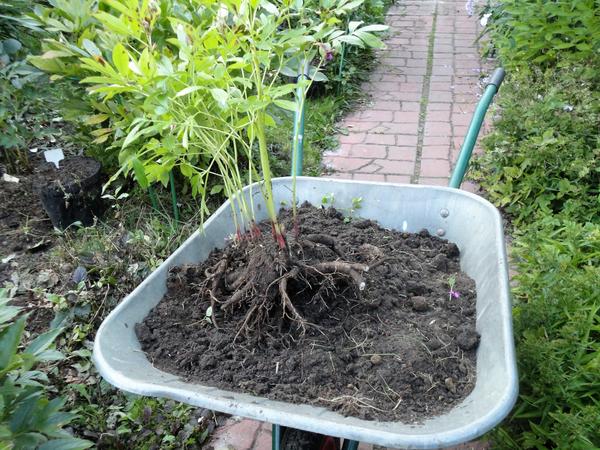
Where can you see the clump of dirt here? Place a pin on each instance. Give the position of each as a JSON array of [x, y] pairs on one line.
[[381, 338]]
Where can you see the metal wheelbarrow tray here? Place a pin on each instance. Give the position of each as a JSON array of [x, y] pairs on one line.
[[463, 218]]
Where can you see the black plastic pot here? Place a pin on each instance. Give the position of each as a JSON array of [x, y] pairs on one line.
[[71, 200]]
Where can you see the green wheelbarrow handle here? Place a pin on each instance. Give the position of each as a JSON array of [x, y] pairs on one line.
[[466, 150]]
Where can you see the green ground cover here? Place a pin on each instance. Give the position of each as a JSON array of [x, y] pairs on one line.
[[542, 168]]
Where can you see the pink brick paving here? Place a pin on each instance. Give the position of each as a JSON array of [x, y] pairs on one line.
[[423, 93]]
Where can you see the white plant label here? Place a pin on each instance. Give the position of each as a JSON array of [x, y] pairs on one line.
[[54, 156]]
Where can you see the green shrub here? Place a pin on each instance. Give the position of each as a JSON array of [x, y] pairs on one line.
[[544, 33], [557, 329], [28, 419], [543, 156]]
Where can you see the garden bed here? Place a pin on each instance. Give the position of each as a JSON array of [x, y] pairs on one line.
[[402, 349]]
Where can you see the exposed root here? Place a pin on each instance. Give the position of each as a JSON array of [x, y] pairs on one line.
[[287, 303], [267, 266], [353, 270], [325, 240]]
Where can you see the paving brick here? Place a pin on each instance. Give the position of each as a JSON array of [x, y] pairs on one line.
[[376, 115], [435, 168], [380, 139], [352, 138], [395, 167], [396, 128], [435, 152], [438, 129], [369, 177], [235, 434], [406, 116], [358, 126], [434, 181], [406, 140], [368, 151], [407, 153], [411, 106], [404, 179], [344, 164]]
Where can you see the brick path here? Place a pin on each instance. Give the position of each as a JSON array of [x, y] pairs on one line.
[[423, 93]]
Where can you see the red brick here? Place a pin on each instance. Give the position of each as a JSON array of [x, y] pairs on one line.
[[397, 128], [236, 434], [411, 87], [368, 151], [345, 164], [411, 106], [436, 140], [438, 106], [381, 139], [437, 129], [435, 168], [441, 96], [369, 176], [395, 167], [437, 116], [387, 105], [405, 96], [376, 115], [434, 181], [359, 126], [461, 119], [406, 141], [406, 117], [408, 153], [352, 138], [404, 179], [435, 152]]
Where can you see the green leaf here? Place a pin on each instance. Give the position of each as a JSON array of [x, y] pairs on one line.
[[9, 341], [220, 96], [65, 444], [140, 174], [286, 104], [375, 28], [120, 58], [11, 46], [43, 341], [91, 48], [188, 90], [96, 119], [8, 312]]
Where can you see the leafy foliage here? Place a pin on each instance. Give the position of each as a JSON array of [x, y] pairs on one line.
[[28, 419], [544, 154], [557, 328], [541, 166], [545, 32]]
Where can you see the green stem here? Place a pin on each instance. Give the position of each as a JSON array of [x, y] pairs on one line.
[[174, 197], [152, 194]]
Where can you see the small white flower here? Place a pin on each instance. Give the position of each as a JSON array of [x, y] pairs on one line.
[[485, 18]]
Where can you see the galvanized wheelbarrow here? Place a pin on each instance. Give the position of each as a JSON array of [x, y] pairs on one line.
[[463, 218]]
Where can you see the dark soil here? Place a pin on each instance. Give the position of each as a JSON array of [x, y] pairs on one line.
[[70, 170], [26, 233], [400, 350]]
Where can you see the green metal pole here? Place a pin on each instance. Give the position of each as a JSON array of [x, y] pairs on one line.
[[349, 445], [466, 150], [298, 137], [276, 437], [174, 197]]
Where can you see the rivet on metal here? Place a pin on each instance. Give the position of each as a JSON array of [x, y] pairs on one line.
[[440, 232], [444, 212]]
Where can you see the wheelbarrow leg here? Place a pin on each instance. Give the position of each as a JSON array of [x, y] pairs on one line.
[[276, 437], [349, 445]]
